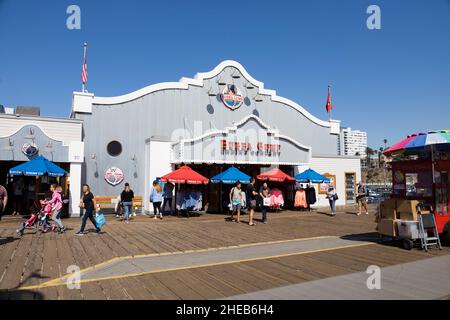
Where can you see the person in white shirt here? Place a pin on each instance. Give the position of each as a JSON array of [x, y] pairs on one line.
[[332, 197]]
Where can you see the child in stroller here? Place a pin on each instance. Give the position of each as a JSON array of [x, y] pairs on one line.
[[40, 219], [31, 221], [45, 216]]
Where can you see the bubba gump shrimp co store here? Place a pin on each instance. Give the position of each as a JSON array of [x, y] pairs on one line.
[[210, 122]]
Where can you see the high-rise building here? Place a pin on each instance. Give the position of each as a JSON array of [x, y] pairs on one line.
[[353, 142]]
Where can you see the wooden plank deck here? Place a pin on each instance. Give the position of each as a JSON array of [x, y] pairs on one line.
[[37, 258]]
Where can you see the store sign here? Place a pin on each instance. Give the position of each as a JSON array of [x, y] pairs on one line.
[[232, 97], [30, 150], [259, 147], [114, 176]]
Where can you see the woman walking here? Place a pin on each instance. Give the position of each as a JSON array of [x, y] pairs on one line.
[[265, 195], [332, 197], [126, 197], [236, 201], [156, 196], [56, 203], [87, 202]]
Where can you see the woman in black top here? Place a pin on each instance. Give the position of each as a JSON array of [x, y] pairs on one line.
[[87, 203], [126, 197]]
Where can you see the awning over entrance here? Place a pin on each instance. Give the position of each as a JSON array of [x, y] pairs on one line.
[[38, 166], [275, 175], [185, 175], [311, 176], [230, 176]]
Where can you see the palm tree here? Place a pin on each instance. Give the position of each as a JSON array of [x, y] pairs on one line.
[[380, 153], [369, 153]]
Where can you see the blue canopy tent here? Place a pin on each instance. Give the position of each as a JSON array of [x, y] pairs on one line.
[[230, 176], [311, 176], [38, 166]]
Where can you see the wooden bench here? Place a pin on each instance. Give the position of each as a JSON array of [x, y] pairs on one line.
[[109, 202], [106, 201], [137, 203]]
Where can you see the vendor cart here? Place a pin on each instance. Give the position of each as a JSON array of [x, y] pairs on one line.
[[420, 179]]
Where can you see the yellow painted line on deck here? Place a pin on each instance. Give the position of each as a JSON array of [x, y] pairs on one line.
[[58, 281], [51, 283]]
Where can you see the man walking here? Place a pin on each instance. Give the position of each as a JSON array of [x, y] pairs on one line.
[[3, 200], [361, 198], [251, 195]]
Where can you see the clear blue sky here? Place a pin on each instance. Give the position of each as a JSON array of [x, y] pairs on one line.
[[389, 82]]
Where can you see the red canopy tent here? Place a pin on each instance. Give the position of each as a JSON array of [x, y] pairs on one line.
[[275, 175], [185, 175]]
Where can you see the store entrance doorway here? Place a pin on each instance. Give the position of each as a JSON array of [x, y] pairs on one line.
[[215, 197], [24, 192]]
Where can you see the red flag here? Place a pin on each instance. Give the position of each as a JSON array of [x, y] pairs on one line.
[[329, 106]]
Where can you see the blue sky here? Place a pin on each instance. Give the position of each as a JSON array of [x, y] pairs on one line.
[[389, 82]]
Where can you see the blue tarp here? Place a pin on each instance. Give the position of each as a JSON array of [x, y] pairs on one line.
[[311, 176], [230, 176], [38, 166]]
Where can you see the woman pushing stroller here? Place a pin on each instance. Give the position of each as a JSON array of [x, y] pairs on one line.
[[43, 216], [56, 203]]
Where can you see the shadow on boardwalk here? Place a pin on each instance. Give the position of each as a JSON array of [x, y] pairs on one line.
[[17, 294]]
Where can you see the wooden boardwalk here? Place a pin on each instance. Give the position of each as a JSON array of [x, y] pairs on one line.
[[38, 258], [419, 280]]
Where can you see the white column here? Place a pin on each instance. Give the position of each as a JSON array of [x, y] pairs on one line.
[[75, 189], [157, 164], [146, 194]]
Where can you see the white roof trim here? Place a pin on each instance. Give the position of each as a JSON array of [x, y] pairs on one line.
[[32, 125], [263, 163], [198, 80], [239, 124]]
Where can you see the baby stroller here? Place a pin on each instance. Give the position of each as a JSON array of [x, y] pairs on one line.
[[31, 222], [45, 214]]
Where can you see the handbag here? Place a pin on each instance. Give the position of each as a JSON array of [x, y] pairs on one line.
[[100, 219], [266, 202], [335, 197]]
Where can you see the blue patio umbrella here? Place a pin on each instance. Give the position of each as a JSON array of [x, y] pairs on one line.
[[38, 166], [230, 176], [311, 176]]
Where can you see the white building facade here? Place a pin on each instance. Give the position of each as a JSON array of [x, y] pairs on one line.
[[59, 140], [354, 142]]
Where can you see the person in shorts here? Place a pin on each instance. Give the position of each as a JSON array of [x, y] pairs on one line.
[[361, 198], [236, 201], [251, 196]]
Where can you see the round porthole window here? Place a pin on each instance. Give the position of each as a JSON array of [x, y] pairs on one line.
[[114, 148]]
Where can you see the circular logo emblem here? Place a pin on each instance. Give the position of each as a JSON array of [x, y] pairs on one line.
[[114, 176], [232, 96], [30, 150]]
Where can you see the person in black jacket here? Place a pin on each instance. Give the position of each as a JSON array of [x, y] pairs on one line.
[[126, 197], [87, 202]]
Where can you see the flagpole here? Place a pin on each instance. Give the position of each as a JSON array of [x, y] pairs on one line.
[[84, 62]]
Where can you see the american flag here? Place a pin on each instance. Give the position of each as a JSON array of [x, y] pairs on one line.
[[84, 74], [329, 106]]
